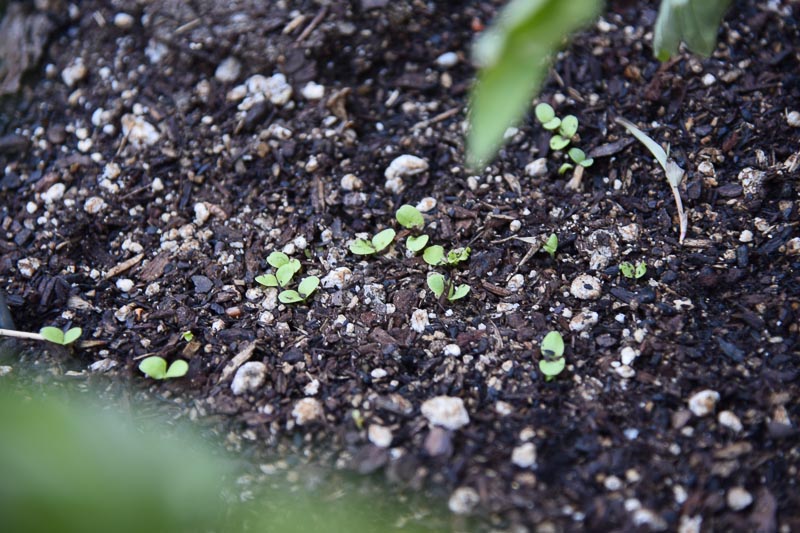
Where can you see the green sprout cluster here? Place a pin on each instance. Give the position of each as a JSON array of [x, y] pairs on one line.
[[552, 362], [629, 271], [435, 255], [565, 130], [285, 269]]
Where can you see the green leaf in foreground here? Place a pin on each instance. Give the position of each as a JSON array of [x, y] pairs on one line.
[[433, 255], [436, 284], [177, 369], [156, 367], [415, 244], [694, 22], [551, 369], [409, 217], [458, 293], [308, 286], [362, 247], [544, 113], [569, 126], [514, 55], [383, 239]]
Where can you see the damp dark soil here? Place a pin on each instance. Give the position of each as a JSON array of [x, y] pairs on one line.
[[156, 152]]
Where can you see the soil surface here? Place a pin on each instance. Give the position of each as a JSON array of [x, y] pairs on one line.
[[147, 174]]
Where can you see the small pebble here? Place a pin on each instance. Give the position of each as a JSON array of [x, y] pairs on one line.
[[452, 350], [124, 284], [730, 421], [625, 372], [306, 411], [583, 320], [313, 91], [703, 403], [514, 226], [738, 498], [630, 232], [426, 205], [445, 411], [404, 166], [537, 168], [74, 73], [524, 456], [746, 236], [201, 213], [612, 483], [228, 70], [138, 131], [249, 377], [337, 278], [94, 205], [709, 80], [123, 21], [463, 500], [447, 60], [586, 287], [628, 355], [793, 119], [516, 282], [419, 320], [54, 193], [380, 436], [5, 370]]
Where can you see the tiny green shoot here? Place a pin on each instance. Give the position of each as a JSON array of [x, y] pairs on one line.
[[188, 336], [437, 284], [629, 271], [378, 243], [458, 255], [156, 367], [409, 217], [305, 289], [57, 336], [552, 363], [551, 245], [579, 157], [285, 267]]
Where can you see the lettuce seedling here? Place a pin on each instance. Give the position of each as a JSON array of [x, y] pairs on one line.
[[435, 256], [156, 367], [416, 243], [552, 349], [378, 243], [188, 336], [551, 245], [285, 269], [631, 272], [57, 336], [437, 285], [305, 289]]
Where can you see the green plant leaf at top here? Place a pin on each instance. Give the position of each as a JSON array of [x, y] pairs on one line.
[[383, 239], [577, 155], [154, 367], [626, 269], [552, 368], [436, 284], [308, 286], [557, 142], [268, 280], [177, 369], [641, 270], [277, 259], [458, 293], [552, 345], [433, 255], [415, 244], [409, 217], [514, 58], [544, 113], [694, 22]]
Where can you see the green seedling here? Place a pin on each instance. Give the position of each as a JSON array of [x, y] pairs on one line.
[[671, 169], [57, 336], [188, 336], [631, 272], [285, 269], [378, 243], [437, 285], [552, 349], [566, 131], [409, 217], [156, 367], [416, 243], [547, 116], [434, 255], [305, 289], [551, 245], [578, 156]]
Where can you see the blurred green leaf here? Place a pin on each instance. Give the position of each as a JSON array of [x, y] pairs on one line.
[[433, 255], [415, 244], [514, 55], [177, 369], [290, 297], [362, 247], [553, 345], [268, 280], [694, 22], [557, 142], [154, 367], [569, 126], [52, 334], [458, 293], [545, 113]]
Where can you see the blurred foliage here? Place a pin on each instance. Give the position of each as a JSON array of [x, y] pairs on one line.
[[73, 467], [694, 22]]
